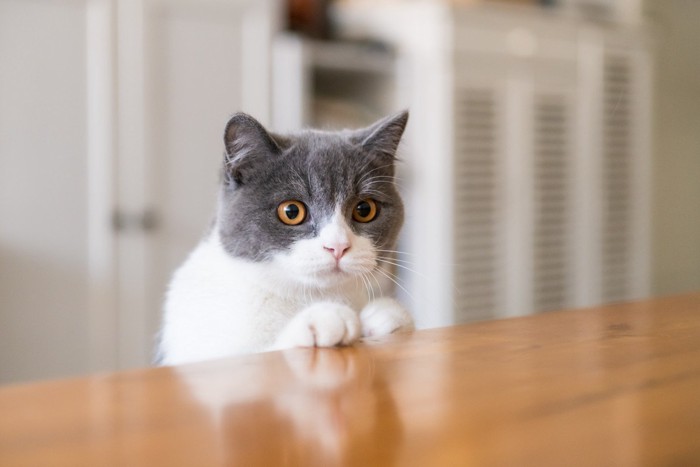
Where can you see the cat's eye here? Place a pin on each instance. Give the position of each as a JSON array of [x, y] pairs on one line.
[[291, 212], [365, 210]]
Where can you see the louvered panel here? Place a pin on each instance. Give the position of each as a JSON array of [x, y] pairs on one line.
[[476, 232], [551, 266], [617, 184]]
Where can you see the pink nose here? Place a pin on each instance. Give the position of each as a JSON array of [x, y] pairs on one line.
[[337, 249]]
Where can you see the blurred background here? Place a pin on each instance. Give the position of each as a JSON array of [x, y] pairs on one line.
[[551, 160]]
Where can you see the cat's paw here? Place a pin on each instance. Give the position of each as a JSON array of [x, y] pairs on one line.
[[324, 324], [384, 316]]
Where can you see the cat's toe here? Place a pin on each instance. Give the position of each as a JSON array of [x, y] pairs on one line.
[[334, 324], [384, 316], [322, 325], [378, 324]]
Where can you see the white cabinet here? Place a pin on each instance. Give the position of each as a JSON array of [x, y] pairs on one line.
[[111, 112], [527, 158]]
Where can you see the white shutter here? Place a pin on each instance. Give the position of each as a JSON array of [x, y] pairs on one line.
[[616, 178], [552, 273], [477, 246]]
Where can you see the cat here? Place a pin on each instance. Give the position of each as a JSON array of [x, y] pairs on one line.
[[300, 252]]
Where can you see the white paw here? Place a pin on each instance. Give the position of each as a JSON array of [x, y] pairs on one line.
[[324, 324], [384, 316]]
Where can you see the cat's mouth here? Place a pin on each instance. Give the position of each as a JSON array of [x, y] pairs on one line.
[[338, 272], [334, 270]]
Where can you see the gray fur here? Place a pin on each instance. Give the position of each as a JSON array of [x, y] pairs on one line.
[[321, 169]]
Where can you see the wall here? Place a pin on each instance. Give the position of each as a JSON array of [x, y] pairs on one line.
[[676, 171], [43, 190]]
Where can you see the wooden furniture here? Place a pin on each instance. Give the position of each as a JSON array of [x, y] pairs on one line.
[[614, 385]]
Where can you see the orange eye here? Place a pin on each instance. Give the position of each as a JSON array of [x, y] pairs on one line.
[[365, 210], [291, 212]]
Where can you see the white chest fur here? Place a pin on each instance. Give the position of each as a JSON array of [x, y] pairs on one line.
[[218, 305]]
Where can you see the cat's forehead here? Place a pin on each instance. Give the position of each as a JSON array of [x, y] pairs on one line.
[[327, 164], [324, 158], [316, 145]]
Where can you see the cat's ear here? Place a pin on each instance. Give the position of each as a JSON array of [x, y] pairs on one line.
[[383, 136], [247, 143]]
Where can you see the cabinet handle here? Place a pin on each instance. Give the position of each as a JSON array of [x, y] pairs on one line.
[[145, 221]]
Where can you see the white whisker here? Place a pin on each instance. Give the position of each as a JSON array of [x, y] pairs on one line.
[[365, 176], [396, 251], [404, 267], [364, 282], [388, 275], [396, 259], [381, 292], [442, 263]]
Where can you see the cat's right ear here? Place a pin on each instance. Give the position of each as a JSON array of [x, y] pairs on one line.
[[383, 136], [247, 144]]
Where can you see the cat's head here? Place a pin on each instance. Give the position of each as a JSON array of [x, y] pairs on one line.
[[320, 205]]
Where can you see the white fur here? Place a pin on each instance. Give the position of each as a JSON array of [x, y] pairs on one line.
[[218, 305]]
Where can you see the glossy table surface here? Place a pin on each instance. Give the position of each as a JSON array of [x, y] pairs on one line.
[[616, 385]]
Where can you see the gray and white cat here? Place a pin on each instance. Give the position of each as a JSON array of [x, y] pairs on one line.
[[301, 248]]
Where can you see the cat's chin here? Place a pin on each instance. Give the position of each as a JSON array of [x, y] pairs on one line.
[[327, 279]]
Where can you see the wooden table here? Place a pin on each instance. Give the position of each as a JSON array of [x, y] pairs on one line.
[[616, 385]]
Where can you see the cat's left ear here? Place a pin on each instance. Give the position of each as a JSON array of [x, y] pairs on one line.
[[383, 137]]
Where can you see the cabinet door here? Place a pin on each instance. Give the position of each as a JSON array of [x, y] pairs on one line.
[[514, 171], [55, 148], [185, 67]]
